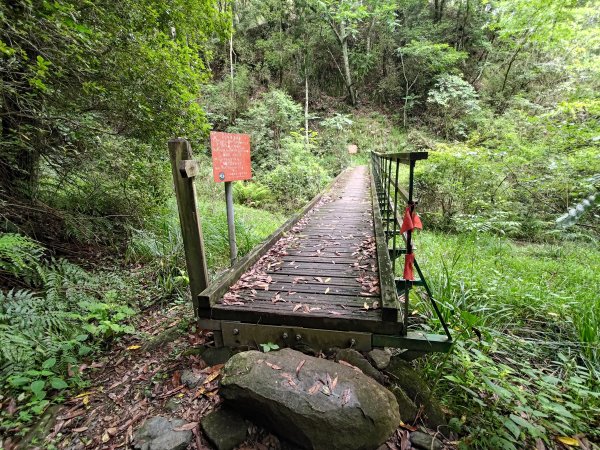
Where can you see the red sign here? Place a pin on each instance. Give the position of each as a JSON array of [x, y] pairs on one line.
[[231, 156]]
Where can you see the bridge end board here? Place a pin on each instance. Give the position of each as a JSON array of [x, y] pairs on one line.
[[387, 284]]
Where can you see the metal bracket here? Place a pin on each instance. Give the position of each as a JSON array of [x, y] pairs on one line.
[[238, 334]]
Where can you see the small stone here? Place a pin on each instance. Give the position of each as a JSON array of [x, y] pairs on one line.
[[357, 360], [216, 355], [172, 405], [157, 433], [379, 358], [191, 379], [416, 388], [406, 407], [224, 428], [425, 441]]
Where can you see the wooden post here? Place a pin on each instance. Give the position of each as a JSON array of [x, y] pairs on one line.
[[184, 170]]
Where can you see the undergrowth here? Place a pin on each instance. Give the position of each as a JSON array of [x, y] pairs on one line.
[[58, 315], [526, 320]]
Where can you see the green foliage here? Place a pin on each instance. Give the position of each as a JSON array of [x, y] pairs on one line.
[[252, 194], [297, 179], [503, 299], [223, 101], [83, 121], [516, 173], [268, 120], [453, 103], [46, 332], [266, 348], [20, 257]]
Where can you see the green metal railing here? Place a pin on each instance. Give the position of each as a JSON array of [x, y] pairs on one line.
[[386, 170]]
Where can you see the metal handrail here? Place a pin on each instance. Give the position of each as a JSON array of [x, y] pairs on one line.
[[385, 169]]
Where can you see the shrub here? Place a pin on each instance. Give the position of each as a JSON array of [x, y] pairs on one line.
[[45, 332], [452, 104], [268, 120], [297, 179], [252, 194]]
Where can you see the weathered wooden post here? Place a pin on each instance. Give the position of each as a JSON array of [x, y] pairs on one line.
[[184, 170]]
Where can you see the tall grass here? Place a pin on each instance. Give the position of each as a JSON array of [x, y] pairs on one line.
[[161, 247], [526, 320]]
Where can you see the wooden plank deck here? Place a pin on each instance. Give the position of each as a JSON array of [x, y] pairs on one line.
[[322, 274]]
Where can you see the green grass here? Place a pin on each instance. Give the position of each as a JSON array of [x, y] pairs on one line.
[[526, 318]]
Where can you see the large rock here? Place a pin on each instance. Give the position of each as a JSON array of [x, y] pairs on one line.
[[224, 428], [323, 405], [158, 433]]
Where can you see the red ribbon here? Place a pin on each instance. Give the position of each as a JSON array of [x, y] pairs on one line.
[[409, 260], [410, 222]]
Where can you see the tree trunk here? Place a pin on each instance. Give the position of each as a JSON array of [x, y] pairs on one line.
[[346, 60], [305, 104]]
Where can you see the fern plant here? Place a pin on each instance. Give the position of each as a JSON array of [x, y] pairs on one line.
[[21, 257], [45, 330]]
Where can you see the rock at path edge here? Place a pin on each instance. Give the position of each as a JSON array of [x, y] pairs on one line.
[[224, 428], [425, 441], [379, 358], [358, 413], [157, 433]]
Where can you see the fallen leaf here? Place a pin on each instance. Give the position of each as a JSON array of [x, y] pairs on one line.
[[112, 431], [366, 306], [79, 430], [212, 376], [326, 290], [134, 347], [177, 379], [346, 363], [404, 440], [289, 379], [334, 383], [345, 396], [272, 366], [408, 427], [327, 280], [319, 279], [300, 364], [105, 437], [314, 388], [12, 407], [297, 307], [186, 427], [325, 390], [568, 441]]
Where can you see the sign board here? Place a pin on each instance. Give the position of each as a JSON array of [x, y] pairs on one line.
[[352, 149], [230, 156]]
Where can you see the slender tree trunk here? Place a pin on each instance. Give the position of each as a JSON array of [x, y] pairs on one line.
[[346, 60], [231, 53], [510, 64], [305, 103]]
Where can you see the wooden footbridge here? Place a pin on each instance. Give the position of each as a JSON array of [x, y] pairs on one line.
[[325, 278]]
